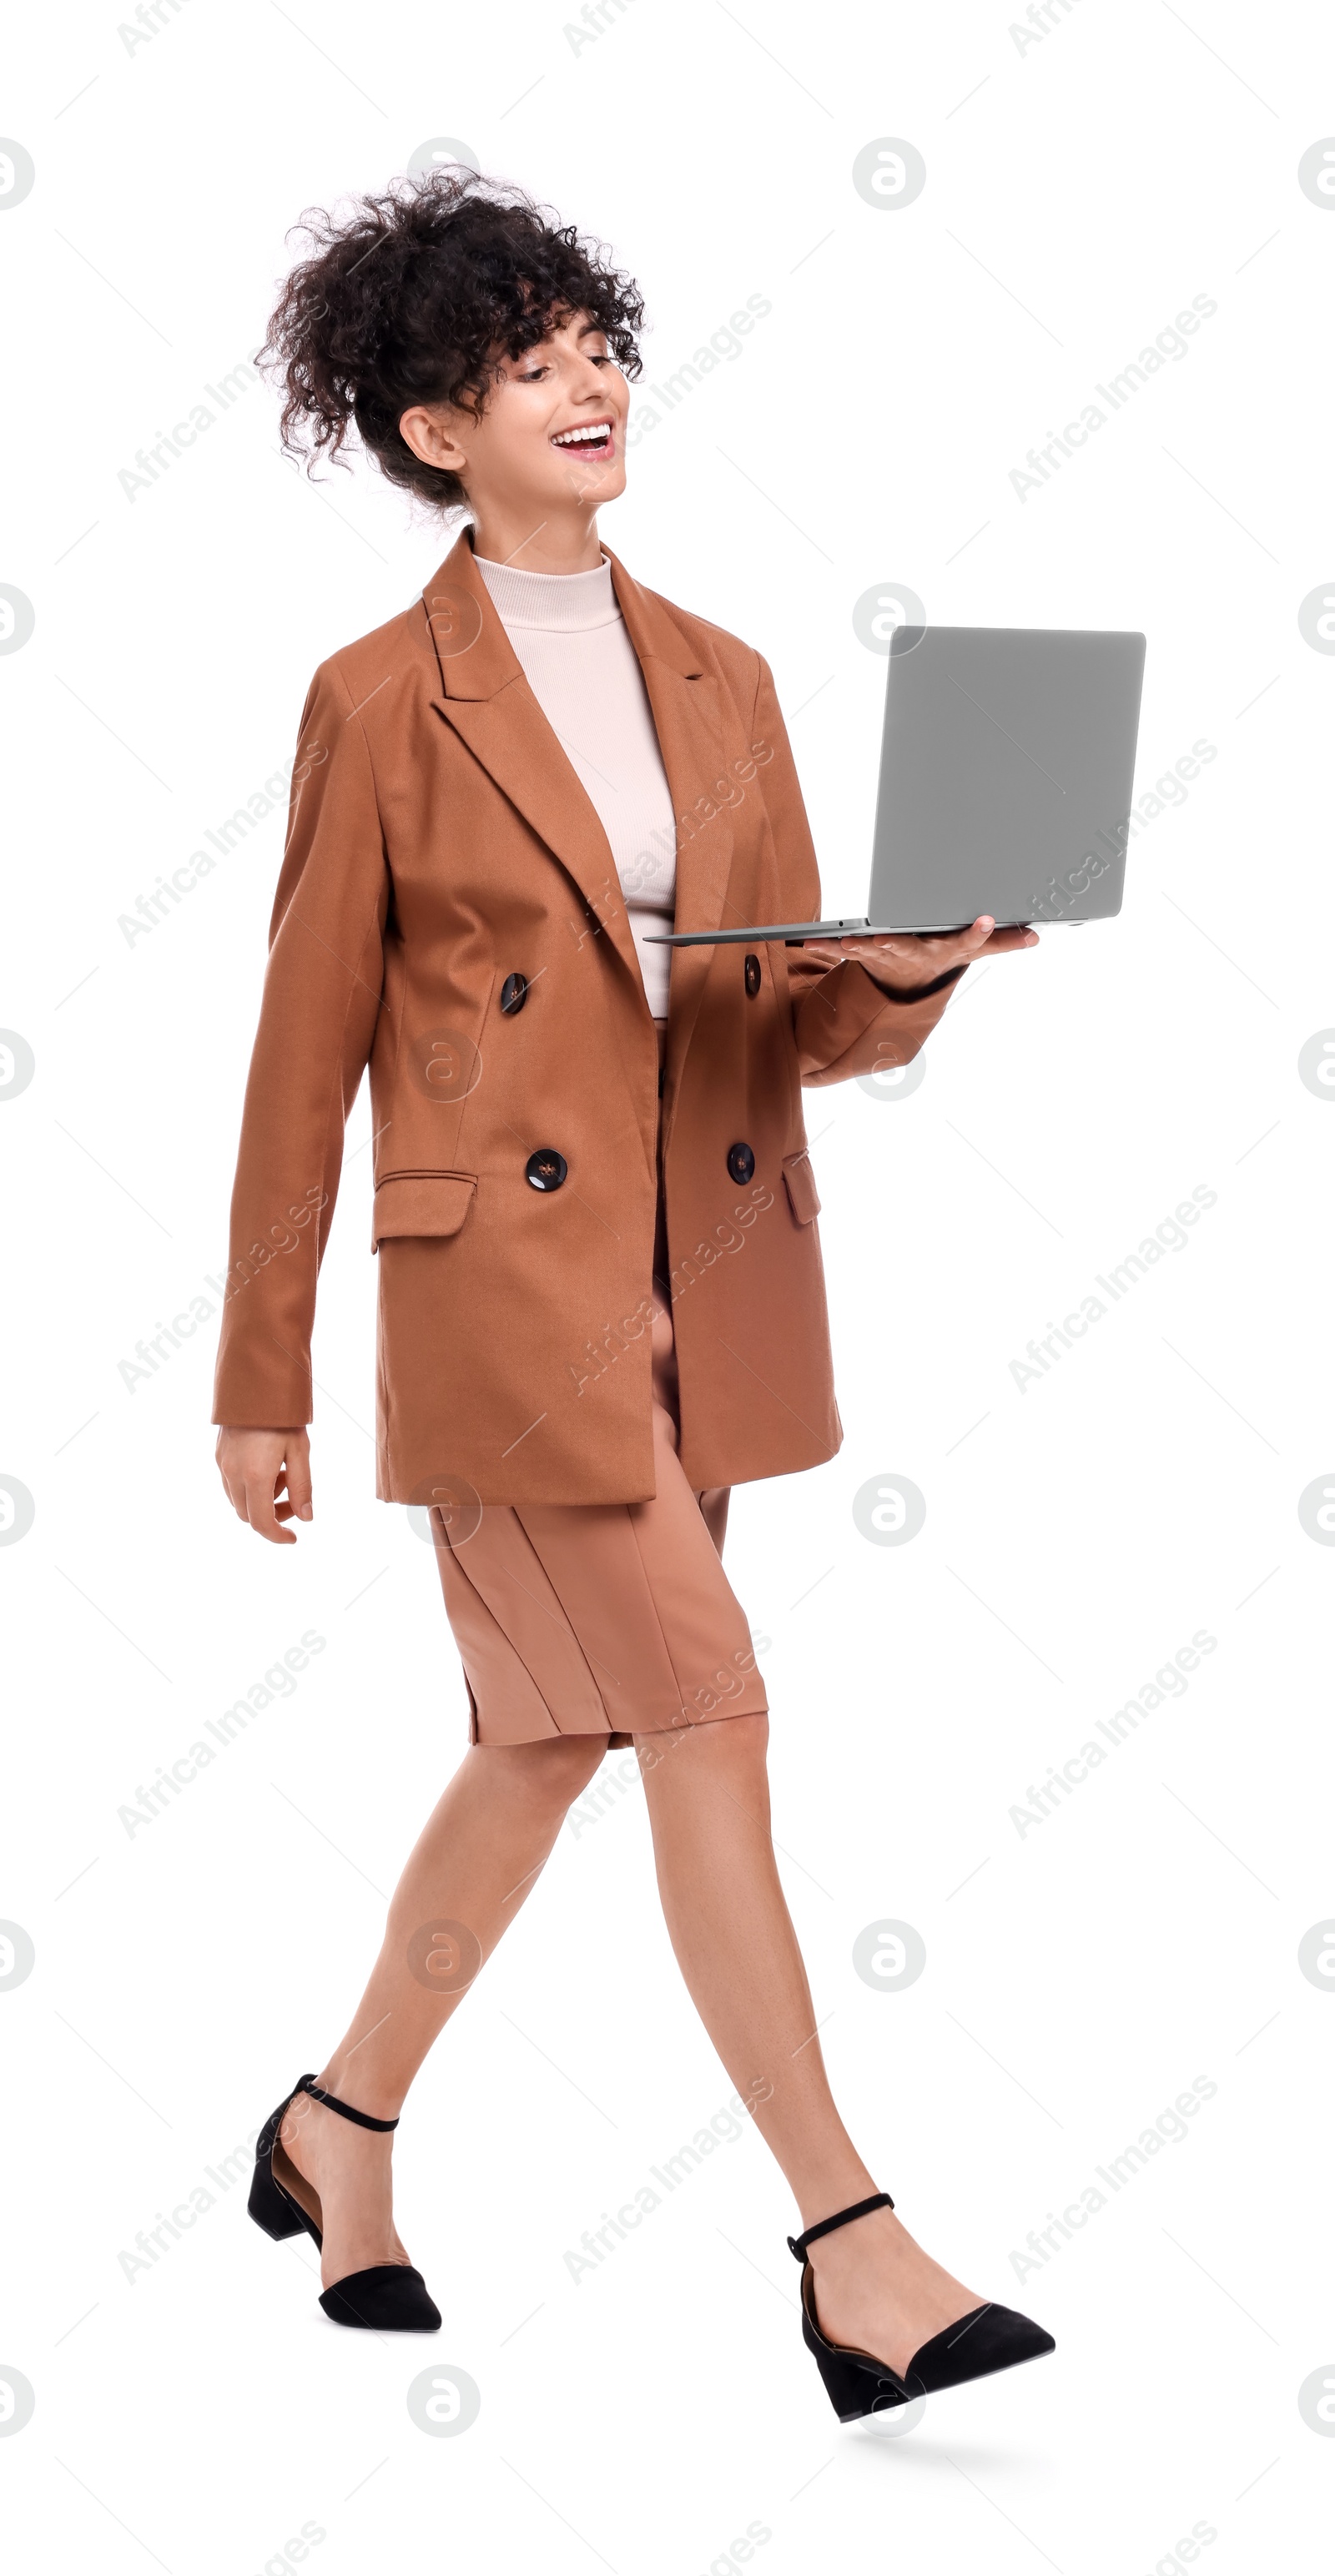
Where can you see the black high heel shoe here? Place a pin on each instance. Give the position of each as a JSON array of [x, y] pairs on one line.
[[389, 2298], [856, 2383]]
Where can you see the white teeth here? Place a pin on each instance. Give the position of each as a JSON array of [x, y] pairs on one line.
[[584, 437]]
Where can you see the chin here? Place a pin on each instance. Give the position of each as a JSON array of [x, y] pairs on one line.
[[595, 484]]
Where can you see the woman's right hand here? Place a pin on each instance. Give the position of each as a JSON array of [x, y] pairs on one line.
[[267, 1478]]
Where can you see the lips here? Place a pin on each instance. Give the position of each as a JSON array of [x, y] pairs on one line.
[[594, 439]]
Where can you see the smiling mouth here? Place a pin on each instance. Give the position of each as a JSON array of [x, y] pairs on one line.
[[593, 438]]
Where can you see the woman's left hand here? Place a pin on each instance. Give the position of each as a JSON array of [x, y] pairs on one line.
[[901, 962]]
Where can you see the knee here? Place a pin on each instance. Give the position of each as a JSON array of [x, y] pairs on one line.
[[735, 1743], [552, 1772], [748, 1736], [577, 1760], [744, 1739], [736, 1748]]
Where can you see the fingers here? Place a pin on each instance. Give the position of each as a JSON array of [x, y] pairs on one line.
[[253, 1502], [917, 947], [1017, 934], [964, 945], [262, 1511], [267, 1479], [918, 958], [929, 953], [297, 1477]]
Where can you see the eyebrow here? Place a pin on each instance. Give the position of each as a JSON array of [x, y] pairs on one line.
[[591, 330]]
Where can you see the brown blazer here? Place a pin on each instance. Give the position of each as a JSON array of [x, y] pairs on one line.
[[440, 846]]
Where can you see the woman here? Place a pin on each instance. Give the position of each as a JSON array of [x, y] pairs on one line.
[[601, 1299]]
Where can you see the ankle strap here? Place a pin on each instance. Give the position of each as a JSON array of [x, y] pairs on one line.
[[307, 2084], [798, 2244]]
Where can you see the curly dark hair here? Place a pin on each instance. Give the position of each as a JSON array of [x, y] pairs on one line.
[[414, 298]]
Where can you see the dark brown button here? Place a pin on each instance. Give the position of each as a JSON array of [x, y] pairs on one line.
[[752, 976], [514, 994], [546, 1169], [741, 1162]]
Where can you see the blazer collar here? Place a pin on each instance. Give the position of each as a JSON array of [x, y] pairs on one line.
[[475, 655], [652, 631]]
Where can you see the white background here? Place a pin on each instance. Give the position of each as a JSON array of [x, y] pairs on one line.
[[1079, 1975]]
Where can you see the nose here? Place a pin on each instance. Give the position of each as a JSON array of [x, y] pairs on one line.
[[590, 380]]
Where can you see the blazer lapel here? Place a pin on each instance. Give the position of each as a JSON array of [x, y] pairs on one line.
[[488, 702], [687, 717]]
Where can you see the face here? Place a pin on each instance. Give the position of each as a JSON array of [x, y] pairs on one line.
[[552, 435]]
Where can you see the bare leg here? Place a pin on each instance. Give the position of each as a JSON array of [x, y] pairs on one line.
[[708, 1797], [473, 1865]]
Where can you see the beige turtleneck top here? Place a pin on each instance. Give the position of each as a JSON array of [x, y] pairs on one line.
[[578, 659]]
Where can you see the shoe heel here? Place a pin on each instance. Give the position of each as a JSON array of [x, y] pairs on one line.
[[851, 2390], [271, 2209]]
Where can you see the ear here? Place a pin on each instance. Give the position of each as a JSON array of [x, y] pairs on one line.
[[422, 431]]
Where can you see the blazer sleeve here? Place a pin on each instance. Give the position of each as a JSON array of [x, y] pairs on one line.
[[322, 997], [844, 1022]]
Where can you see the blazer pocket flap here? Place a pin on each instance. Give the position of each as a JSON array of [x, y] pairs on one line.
[[800, 1182], [421, 1203]]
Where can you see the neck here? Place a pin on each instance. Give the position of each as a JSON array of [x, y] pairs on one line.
[[568, 543]]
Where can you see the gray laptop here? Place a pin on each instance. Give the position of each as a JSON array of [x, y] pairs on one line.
[[1007, 760]]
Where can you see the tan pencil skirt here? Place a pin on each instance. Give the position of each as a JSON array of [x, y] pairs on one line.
[[611, 1619]]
